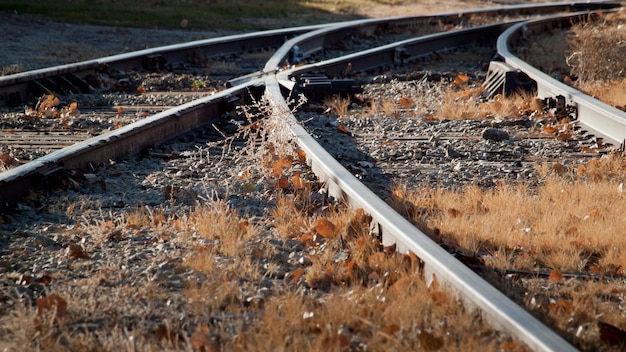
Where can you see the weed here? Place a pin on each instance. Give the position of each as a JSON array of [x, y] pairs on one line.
[[337, 105]]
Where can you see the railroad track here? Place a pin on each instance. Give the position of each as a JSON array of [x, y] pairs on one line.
[[274, 82]]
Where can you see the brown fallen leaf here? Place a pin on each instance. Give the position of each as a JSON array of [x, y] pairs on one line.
[[405, 103], [296, 275], [202, 340], [282, 183], [279, 165], [430, 342], [75, 251], [555, 275], [461, 79], [390, 329], [561, 307], [298, 182], [324, 228], [301, 155], [439, 297], [343, 129]]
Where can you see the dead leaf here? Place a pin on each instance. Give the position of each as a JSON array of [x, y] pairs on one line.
[[202, 340], [299, 183], [373, 277], [282, 183], [567, 80], [45, 279], [159, 219], [555, 275], [405, 103], [561, 307], [75, 251], [296, 275], [343, 129], [510, 346], [52, 302], [391, 329], [301, 155], [439, 297], [324, 228], [141, 89], [460, 79], [279, 165], [377, 259]]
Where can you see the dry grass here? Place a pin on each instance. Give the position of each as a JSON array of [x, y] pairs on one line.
[[337, 105], [568, 224], [591, 58], [597, 57], [216, 221], [352, 295], [597, 49], [464, 102], [564, 224]]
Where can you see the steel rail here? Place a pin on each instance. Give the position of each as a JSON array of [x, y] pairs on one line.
[[314, 41], [16, 88], [15, 183], [387, 55], [499, 310], [127, 140], [598, 118]]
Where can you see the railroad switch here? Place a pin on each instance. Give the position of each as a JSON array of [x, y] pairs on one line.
[[505, 79], [316, 87]]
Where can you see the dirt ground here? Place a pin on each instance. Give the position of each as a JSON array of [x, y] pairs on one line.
[[33, 42]]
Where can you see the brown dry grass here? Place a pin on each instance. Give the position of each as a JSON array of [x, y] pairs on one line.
[[337, 105], [565, 224], [597, 49], [571, 223], [593, 54], [352, 296], [596, 55]]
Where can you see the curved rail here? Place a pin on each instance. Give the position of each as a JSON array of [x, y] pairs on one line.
[[16, 88], [315, 41], [475, 291], [16, 183], [498, 309], [598, 118]]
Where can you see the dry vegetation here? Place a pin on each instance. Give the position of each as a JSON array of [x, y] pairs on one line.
[[592, 58], [597, 57], [566, 229], [350, 293]]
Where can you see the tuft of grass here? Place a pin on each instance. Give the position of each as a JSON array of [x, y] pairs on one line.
[[338, 105], [216, 221], [597, 49]]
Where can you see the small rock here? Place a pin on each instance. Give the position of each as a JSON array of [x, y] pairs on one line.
[[496, 135]]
